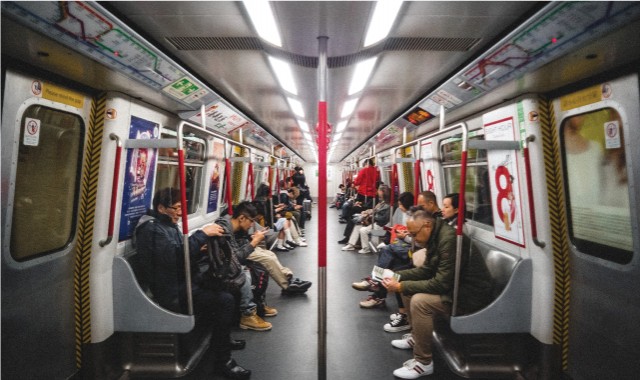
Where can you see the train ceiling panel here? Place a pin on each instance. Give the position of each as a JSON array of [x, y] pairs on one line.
[[417, 69]]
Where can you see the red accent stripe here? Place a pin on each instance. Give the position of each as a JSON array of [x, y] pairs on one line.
[[183, 192], [227, 176], [461, 194], [322, 182], [114, 190]]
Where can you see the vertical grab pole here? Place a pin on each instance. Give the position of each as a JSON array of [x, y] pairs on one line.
[[532, 208], [322, 207], [185, 219], [114, 190], [461, 194]]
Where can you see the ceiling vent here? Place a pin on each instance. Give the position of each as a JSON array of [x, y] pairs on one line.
[[216, 43], [430, 43]]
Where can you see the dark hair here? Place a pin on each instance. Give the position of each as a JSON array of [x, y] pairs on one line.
[[166, 197], [406, 199], [455, 199], [386, 192], [263, 190], [245, 208], [429, 196], [370, 161]]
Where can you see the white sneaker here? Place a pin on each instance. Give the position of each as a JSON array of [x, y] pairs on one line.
[[398, 324], [348, 247], [406, 343], [413, 369], [364, 250], [301, 243]]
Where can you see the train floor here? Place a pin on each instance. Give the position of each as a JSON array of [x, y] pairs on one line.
[[357, 346]]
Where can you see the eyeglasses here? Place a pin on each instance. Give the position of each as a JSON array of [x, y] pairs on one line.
[[414, 234]]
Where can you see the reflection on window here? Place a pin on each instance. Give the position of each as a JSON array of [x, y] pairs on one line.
[[46, 183], [596, 184], [477, 191], [168, 173]]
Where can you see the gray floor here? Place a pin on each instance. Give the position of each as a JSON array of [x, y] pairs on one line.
[[357, 346]]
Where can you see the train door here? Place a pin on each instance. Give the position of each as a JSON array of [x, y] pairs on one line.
[[599, 130], [44, 127]]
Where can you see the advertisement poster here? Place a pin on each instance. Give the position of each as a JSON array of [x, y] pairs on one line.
[[504, 181], [428, 170], [138, 178], [218, 169]]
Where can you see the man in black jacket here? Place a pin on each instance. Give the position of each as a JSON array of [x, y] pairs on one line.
[[159, 242]]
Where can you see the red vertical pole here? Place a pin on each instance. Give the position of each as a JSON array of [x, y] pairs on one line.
[[322, 207], [227, 176]]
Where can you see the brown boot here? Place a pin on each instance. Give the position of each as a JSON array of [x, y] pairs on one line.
[[270, 311], [254, 322]]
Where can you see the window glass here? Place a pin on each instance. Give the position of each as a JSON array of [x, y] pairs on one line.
[[477, 192], [596, 184], [168, 172], [47, 176]]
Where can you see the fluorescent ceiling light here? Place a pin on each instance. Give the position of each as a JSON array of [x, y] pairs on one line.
[[348, 107], [262, 18], [284, 74], [342, 125], [303, 125], [296, 107], [361, 75], [383, 17]]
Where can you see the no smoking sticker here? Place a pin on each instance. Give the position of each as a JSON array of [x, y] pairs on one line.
[[31, 132]]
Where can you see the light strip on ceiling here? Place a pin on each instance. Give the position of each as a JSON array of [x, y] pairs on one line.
[[284, 75], [348, 107], [361, 75], [296, 107], [262, 18], [384, 15]]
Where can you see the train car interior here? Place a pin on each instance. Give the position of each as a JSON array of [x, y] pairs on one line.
[[521, 116]]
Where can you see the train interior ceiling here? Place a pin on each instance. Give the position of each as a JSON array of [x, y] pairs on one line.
[[252, 100], [465, 56]]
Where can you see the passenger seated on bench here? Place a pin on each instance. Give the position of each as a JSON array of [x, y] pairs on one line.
[[450, 209], [399, 252], [242, 245], [428, 289], [394, 256], [159, 242], [380, 216]]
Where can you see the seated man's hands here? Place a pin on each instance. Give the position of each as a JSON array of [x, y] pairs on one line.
[[213, 230]]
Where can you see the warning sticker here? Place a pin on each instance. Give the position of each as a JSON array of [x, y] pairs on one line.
[[31, 132], [612, 134]]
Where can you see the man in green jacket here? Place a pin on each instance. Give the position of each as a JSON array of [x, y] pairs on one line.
[[428, 289]]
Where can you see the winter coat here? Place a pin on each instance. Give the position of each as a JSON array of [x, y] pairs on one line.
[[436, 276], [367, 180], [159, 244], [239, 241]]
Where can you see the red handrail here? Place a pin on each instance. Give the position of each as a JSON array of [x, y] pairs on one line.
[[114, 190], [227, 177]]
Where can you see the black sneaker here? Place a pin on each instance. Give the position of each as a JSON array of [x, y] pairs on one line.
[[398, 324], [295, 288], [343, 241]]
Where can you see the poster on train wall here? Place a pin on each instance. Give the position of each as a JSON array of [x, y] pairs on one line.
[[218, 168], [504, 181], [429, 174], [137, 193]]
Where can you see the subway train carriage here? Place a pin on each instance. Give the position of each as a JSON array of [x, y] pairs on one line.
[[525, 113]]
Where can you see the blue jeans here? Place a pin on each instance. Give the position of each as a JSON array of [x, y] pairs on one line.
[[247, 306], [394, 256]]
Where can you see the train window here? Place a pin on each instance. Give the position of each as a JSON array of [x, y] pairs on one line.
[[47, 176], [477, 192], [194, 158], [597, 188]]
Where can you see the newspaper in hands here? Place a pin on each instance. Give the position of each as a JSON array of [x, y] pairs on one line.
[[379, 273]]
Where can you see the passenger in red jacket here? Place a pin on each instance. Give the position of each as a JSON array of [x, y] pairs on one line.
[[366, 182]]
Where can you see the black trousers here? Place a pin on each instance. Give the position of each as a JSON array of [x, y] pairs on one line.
[[220, 307]]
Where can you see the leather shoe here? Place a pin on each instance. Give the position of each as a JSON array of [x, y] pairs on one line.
[[343, 241], [232, 370], [237, 344]]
